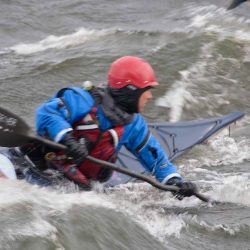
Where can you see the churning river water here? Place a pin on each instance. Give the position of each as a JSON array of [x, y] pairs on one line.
[[201, 55]]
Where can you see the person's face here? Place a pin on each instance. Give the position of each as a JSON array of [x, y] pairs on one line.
[[144, 98]]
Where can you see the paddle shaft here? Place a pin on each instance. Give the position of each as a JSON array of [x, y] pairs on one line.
[[116, 168], [142, 177]]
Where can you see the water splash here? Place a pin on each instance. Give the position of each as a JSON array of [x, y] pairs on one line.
[[180, 94], [60, 42], [147, 205]]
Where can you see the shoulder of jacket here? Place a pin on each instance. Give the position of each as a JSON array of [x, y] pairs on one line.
[[137, 123], [138, 119], [74, 90]]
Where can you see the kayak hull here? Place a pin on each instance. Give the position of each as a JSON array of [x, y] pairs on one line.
[[175, 139]]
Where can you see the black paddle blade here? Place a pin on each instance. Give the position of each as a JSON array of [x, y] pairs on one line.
[[236, 3], [13, 130]]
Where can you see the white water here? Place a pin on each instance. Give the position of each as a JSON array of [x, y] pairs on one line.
[[140, 202], [42, 50], [79, 37]]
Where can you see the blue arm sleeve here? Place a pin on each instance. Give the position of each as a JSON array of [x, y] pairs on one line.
[[55, 117], [147, 149], [52, 120]]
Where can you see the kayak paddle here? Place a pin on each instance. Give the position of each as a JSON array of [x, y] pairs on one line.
[[235, 3], [15, 132]]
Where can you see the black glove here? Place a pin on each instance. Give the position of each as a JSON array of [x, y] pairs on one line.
[[187, 189], [74, 149]]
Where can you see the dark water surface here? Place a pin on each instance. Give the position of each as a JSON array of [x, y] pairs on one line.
[[201, 55]]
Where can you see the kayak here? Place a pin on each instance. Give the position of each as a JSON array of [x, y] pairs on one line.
[[176, 139]]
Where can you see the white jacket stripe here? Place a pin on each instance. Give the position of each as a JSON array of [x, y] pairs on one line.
[[114, 136], [87, 127], [61, 134]]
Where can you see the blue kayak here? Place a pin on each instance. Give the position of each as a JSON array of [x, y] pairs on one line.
[[176, 139]]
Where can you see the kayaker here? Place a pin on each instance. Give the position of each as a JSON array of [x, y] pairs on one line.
[[98, 122]]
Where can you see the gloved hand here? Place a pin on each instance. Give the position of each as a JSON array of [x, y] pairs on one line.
[[74, 149], [187, 189]]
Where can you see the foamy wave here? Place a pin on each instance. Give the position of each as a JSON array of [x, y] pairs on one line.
[[180, 95], [227, 151], [26, 211], [176, 98], [203, 14], [60, 42], [185, 92], [14, 192], [221, 151], [233, 189], [220, 21], [150, 212], [227, 229], [34, 228]]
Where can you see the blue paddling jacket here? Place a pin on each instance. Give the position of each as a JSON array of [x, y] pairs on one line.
[[57, 116]]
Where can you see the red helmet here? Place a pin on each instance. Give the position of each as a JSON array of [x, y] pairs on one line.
[[131, 70]]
